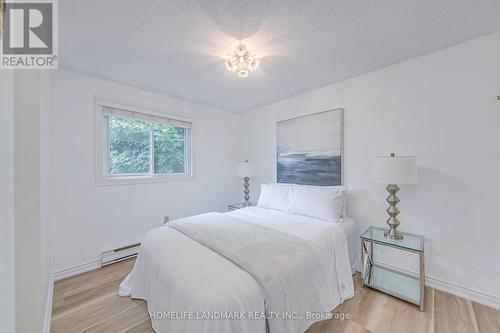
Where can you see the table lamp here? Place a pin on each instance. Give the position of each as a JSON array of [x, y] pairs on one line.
[[246, 170], [394, 170]]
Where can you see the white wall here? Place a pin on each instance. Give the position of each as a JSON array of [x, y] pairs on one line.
[[31, 106], [441, 107], [7, 282], [87, 219], [24, 269], [45, 166]]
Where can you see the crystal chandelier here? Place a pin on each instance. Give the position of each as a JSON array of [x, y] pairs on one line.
[[241, 61]]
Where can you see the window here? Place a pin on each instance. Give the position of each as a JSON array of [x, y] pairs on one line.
[[138, 145]]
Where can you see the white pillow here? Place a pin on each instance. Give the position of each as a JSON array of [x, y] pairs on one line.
[[273, 196], [344, 191], [321, 202]]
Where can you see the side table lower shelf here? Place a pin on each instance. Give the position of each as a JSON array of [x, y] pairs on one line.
[[393, 283]]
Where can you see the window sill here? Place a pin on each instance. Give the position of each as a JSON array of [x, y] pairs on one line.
[[128, 180]]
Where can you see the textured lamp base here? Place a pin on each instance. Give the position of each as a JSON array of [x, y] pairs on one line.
[[392, 233], [246, 203], [393, 211]]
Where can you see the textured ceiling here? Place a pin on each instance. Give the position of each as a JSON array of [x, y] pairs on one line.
[[176, 47]]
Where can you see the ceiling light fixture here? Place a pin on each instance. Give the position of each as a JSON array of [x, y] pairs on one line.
[[241, 61]]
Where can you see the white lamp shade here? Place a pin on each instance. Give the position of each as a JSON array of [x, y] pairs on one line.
[[394, 170], [246, 169]]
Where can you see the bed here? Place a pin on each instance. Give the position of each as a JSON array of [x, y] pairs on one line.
[[190, 287]]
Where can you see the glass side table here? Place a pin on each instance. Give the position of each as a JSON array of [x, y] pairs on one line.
[[404, 286], [240, 205]]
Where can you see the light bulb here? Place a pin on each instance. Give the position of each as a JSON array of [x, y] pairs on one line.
[[230, 66], [241, 50], [253, 63]]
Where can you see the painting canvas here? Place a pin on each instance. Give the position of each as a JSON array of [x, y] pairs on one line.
[[309, 149]]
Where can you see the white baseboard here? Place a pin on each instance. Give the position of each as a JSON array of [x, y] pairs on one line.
[[72, 271], [467, 293], [48, 307], [452, 288]]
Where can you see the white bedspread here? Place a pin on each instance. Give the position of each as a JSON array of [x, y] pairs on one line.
[[184, 281]]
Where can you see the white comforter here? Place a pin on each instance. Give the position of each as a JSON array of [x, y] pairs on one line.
[[184, 282]]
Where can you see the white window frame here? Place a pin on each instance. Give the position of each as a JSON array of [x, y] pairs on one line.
[[102, 150]]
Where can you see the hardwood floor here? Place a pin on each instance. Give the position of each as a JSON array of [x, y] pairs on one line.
[[90, 303]]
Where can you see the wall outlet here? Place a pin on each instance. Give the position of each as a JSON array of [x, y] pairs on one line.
[[166, 219]]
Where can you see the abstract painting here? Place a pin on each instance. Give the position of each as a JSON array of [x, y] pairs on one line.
[[309, 149]]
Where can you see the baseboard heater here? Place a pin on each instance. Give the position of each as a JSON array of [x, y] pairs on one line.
[[119, 254]]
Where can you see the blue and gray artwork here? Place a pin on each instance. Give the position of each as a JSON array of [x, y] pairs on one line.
[[309, 149]]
